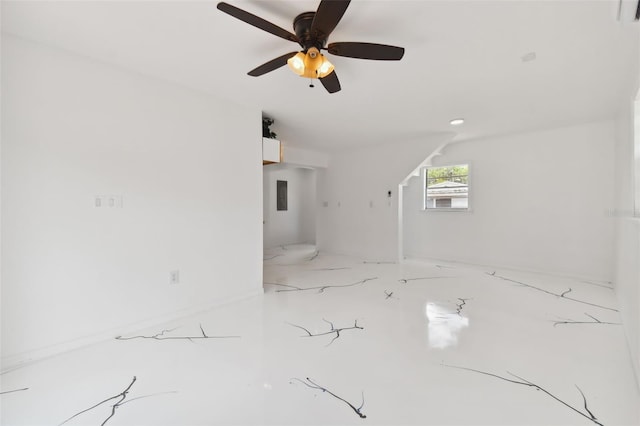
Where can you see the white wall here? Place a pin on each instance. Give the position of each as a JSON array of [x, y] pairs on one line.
[[187, 165], [627, 266], [304, 157], [298, 223], [355, 215], [540, 201]]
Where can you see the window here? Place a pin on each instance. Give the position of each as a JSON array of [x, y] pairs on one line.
[[443, 203], [447, 187]]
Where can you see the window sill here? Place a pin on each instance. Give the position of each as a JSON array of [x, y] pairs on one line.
[[442, 210]]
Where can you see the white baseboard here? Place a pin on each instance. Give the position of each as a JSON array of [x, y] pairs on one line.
[[13, 362], [466, 262]]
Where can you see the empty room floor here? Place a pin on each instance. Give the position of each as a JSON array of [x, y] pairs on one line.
[[337, 340]]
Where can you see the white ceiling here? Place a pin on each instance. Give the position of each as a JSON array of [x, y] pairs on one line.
[[463, 59]]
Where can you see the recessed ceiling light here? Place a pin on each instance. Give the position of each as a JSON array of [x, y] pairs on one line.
[[457, 121]]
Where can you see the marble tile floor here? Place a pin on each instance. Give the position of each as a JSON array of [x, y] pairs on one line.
[[336, 340]]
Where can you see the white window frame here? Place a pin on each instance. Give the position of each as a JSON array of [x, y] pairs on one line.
[[468, 209], [635, 132]]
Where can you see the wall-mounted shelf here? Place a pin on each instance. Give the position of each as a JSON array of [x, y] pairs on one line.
[[271, 151]]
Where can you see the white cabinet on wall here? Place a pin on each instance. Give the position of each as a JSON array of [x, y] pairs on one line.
[[271, 151]]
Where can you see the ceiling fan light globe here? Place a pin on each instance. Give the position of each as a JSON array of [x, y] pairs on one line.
[[296, 63], [326, 68], [312, 62]]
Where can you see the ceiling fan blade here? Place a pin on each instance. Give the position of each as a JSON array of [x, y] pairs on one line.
[[327, 17], [331, 82], [271, 65], [381, 52], [257, 22]]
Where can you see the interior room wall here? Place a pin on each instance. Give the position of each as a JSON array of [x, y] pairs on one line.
[[302, 157], [355, 214], [297, 224], [186, 166], [627, 249], [539, 201]]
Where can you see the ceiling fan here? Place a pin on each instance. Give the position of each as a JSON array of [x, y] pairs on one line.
[[312, 30]]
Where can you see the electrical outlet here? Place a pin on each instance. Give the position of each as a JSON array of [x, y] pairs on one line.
[[107, 201], [174, 277]]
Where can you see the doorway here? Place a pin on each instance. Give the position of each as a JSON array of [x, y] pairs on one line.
[[289, 205]]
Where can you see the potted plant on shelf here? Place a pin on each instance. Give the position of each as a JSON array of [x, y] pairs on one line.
[[266, 128], [271, 147]]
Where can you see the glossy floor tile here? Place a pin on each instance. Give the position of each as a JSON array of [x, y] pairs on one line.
[[337, 340]]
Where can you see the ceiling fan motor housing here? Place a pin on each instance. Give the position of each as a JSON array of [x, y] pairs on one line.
[[302, 27]]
